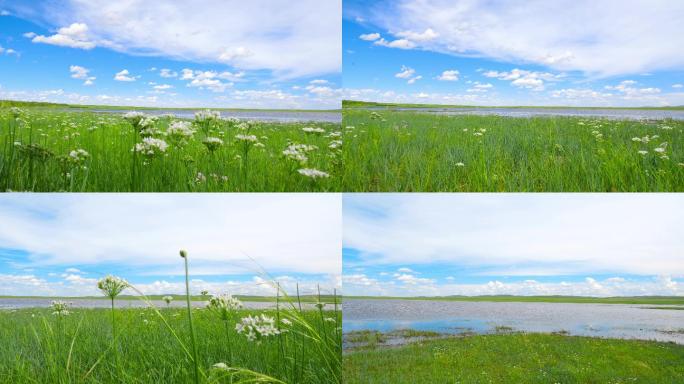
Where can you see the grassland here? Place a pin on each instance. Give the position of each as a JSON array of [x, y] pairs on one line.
[[375, 105], [329, 299], [408, 151], [660, 300], [518, 358], [39, 347], [46, 149]]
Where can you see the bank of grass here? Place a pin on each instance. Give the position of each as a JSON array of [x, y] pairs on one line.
[[413, 151], [39, 347], [518, 358], [41, 150], [660, 300]]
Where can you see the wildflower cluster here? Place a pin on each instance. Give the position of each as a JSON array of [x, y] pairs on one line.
[[60, 308], [257, 328], [151, 147], [222, 305], [112, 286]]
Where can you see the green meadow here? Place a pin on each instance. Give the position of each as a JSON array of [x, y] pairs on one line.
[[39, 347], [413, 151], [517, 358], [51, 149]]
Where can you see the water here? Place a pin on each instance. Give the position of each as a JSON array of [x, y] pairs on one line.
[[258, 115], [627, 114], [11, 303], [453, 317]]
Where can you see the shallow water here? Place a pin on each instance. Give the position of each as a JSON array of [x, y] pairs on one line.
[[619, 114], [272, 116], [453, 317], [8, 304]]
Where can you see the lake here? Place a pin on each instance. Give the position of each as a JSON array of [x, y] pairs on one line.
[[628, 114], [453, 317], [258, 115], [20, 303]]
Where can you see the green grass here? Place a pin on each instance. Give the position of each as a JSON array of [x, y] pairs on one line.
[[35, 346], [518, 358], [662, 300], [35, 148], [393, 151]]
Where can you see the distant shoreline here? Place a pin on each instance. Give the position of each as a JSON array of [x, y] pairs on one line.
[[665, 300]]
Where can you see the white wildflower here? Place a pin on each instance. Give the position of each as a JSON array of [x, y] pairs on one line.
[[151, 147], [212, 143], [313, 173], [313, 130], [258, 327]]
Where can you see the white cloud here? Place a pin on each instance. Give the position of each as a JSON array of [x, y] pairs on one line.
[[524, 79], [291, 39], [124, 75], [81, 73], [427, 35], [450, 75], [399, 43], [72, 270], [405, 270], [73, 36], [319, 81], [165, 72], [29, 35], [414, 79], [408, 74], [210, 79], [479, 87], [4, 13], [583, 94], [405, 73], [678, 86], [601, 38], [627, 88], [370, 36], [161, 87], [616, 286]]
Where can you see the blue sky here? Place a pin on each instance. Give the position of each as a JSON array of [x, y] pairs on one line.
[[60, 244], [212, 53], [523, 244], [476, 52]]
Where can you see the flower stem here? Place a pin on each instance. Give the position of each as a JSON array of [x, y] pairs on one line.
[[192, 329]]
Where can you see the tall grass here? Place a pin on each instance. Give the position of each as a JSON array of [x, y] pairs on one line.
[[40, 151], [305, 349], [410, 151]]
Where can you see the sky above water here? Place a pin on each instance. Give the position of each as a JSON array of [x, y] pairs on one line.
[[60, 244], [477, 52], [517, 244]]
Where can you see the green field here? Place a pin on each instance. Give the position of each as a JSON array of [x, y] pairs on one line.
[[412, 151], [330, 299], [45, 149], [660, 300], [518, 358], [39, 347]]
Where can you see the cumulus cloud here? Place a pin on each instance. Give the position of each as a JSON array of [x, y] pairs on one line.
[[628, 89], [210, 80], [524, 79], [82, 73], [165, 72], [123, 75], [370, 36], [290, 39], [407, 74], [601, 38], [73, 36], [450, 75]]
